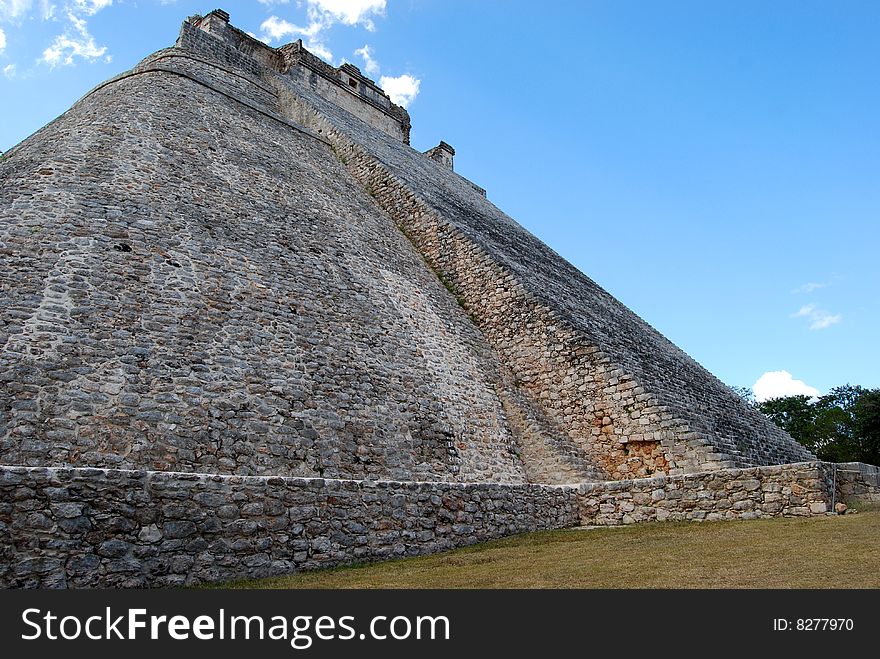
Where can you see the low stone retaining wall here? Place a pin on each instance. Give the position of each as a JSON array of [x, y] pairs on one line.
[[62, 527], [857, 482], [66, 527], [780, 490]]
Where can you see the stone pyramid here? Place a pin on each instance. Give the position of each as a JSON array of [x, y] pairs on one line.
[[230, 261]]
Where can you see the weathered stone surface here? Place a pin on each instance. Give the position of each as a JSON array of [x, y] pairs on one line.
[[748, 493], [620, 394], [246, 329], [857, 482], [326, 522], [261, 545], [206, 275], [198, 286]]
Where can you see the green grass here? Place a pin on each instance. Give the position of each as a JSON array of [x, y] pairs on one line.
[[817, 552]]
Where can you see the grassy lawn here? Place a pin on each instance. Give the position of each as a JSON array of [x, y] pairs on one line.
[[818, 552]]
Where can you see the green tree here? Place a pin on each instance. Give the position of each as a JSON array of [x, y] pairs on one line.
[[841, 426], [797, 416], [836, 424], [867, 426]]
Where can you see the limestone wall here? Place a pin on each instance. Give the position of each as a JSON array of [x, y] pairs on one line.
[[213, 38], [226, 46], [779, 490], [91, 527], [857, 482], [338, 94], [94, 527], [235, 82]]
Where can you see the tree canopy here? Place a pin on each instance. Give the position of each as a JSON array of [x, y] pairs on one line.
[[841, 426]]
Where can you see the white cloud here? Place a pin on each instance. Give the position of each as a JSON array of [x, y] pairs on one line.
[[371, 66], [805, 310], [91, 7], [349, 12], [15, 10], [76, 41], [322, 15], [277, 28], [810, 287], [819, 318], [47, 10], [65, 48], [9, 71], [778, 384], [11, 10], [402, 89], [2, 41], [320, 50], [79, 24], [823, 320]]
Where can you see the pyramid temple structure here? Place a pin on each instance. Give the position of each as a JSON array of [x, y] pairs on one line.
[[247, 329]]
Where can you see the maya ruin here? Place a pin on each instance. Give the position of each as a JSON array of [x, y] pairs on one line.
[[247, 330]]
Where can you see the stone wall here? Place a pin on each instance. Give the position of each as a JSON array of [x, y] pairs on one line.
[[212, 37], [857, 482], [236, 83], [69, 527], [342, 96], [771, 491], [239, 158], [216, 40], [91, 527]]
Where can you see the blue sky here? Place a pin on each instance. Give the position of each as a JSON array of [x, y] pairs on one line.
[[714, 165]]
